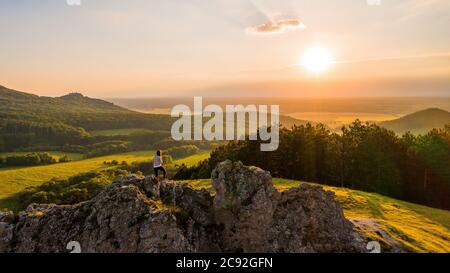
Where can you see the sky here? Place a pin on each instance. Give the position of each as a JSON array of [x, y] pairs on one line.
[[225, 48]]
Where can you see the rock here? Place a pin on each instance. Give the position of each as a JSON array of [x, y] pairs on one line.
[[309, 219], [142, 214], [6, 230], [257, 218], [7, 217], [120, 219], [244, 204]]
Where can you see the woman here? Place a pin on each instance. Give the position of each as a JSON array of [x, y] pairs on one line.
[[157, 164]]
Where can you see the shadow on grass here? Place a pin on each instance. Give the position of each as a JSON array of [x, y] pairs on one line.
[[12, 203]]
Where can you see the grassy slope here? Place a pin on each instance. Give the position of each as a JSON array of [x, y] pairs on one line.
[[417, 228], [193, 159], [13, 180]]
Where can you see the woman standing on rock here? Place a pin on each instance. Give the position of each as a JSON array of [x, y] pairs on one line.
[[157, 164]]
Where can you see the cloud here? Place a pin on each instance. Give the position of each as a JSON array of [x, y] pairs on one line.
[[280, 26]]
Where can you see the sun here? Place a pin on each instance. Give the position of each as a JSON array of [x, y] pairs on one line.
[[317, 59]]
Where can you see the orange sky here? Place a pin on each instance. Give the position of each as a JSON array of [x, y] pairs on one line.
[[222, 48]]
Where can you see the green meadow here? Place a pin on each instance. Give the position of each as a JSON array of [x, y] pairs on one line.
[[13, 180]]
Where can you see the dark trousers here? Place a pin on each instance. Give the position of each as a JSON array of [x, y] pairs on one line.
[[161, 168]]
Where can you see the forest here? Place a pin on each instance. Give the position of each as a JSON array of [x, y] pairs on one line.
[[363, 156]]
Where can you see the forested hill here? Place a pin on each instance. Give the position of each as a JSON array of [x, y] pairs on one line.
[[419, 122], [73, 110], [32, 122]]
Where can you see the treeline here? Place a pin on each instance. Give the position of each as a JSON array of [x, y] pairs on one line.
[[183, 151], [100, 148], [32, 159], [26, 136], [15, 134], [363, 157], [119, 120]]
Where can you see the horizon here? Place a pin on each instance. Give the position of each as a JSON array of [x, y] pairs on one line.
[[253, 48], [374, 96], [317, 109]]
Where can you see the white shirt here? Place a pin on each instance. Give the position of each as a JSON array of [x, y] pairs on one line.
[[157, 161]]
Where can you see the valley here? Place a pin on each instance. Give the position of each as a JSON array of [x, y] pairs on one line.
[[101, 138]]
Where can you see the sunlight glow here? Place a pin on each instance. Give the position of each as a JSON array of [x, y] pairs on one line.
[[317, 59]]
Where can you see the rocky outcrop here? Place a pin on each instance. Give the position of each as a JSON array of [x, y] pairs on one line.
[[257, 218], [244, 205], [140, 214]]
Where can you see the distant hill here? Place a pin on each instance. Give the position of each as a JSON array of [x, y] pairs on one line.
[[419, 122], [289, 122], [79, 99], [77, 110], [30, 121], [74, 110]]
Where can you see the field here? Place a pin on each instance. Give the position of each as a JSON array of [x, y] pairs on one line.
[[389, 221], [13, 180], [338, 119]]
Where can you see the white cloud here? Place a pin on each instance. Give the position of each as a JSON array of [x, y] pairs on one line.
[[280, 26]]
